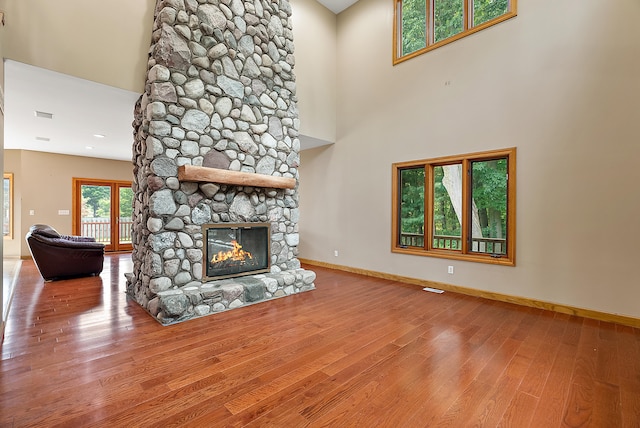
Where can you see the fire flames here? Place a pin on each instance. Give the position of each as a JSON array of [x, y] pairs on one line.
[[235, 254]]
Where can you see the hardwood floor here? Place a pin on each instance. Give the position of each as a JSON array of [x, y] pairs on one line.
[[355, 352], [10, 267]]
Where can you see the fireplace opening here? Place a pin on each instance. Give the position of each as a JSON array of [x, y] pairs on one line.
[[236, 249]]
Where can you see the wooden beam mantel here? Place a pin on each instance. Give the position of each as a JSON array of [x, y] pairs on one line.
[[223, 176]]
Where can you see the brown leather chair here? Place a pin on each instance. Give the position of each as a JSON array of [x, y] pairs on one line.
[[63, 256]]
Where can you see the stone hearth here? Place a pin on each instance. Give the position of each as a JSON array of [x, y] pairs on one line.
[[220, 93]]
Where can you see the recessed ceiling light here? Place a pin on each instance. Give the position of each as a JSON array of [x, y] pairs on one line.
[[89, 147], [98, 135], [43, 114], [43, 138]]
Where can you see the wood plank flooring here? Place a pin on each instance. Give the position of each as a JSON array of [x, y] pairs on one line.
[[355, 352]]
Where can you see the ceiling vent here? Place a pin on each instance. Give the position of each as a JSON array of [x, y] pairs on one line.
[[43, 139], [44, 114]]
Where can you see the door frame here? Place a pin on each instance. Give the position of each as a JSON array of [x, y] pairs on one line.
[[76, 200]]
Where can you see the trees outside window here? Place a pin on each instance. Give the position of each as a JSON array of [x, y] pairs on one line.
[[423, 25], [412, 206], [448, 18], [447, 206], [458, 207], [413, 26]]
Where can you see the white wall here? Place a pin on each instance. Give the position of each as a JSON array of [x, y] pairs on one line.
[[563, 88], [315, 36], [90, 39]]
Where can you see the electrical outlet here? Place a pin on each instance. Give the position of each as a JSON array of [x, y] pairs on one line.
[[335, 253], [450, 270]]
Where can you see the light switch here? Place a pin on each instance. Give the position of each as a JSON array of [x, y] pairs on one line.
[[32, 212], [63, 212]]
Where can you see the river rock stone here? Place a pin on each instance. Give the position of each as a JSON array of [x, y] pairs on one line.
[[220, 93]]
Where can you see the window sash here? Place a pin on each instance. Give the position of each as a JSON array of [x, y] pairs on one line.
[[464, 248], [430, 43]]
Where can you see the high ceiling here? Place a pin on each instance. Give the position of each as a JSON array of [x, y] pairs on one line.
[[88, 118], [336, 6], [80, 110]]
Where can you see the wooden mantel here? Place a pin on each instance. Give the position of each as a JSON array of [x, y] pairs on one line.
[[223, 176]]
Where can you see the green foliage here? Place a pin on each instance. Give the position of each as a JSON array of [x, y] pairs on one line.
[[412, 200], [414, 26], [98, 199], [489, 193], [486, 10], [489, 183], [476, 186], [126, 202], [445, 220], [448, 18]]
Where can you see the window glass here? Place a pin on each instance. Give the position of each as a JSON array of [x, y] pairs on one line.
[[486, 10], [412, 207], [414, 25], [448, 18], [489, 206], [96, 212], [447, 206], [125, 220]]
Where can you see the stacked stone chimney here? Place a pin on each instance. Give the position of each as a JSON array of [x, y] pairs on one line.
[[220, 93]]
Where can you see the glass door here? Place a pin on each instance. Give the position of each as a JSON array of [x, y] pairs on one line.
[[102, 210], [124, 219]]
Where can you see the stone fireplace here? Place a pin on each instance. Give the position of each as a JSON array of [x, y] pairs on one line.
[[216, 154]]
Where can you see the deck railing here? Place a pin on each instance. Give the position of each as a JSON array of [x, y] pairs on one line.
[[479, 245], [100, 229], [412, 239]]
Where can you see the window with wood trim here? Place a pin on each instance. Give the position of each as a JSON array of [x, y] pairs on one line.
[[457, 207], [7, 206], [423, 25]]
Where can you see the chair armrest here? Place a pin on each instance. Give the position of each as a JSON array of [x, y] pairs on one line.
[[78, 238]]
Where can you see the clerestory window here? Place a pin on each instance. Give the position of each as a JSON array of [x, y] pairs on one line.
[[423, 25], [457, 207]]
